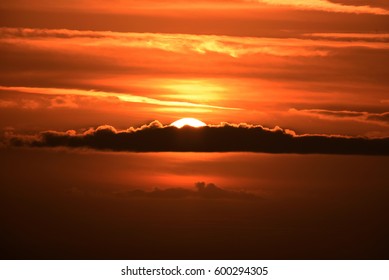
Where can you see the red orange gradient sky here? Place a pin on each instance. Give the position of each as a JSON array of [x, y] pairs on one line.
[[314, 66], [78, 76]]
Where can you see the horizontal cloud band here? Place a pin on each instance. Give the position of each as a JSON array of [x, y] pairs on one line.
[[221, 138], [308, 45]]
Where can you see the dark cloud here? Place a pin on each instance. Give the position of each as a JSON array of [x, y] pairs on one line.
[[209, 191], [225, 137]]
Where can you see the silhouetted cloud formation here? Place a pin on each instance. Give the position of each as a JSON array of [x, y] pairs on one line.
[[209, 191], [225, 137]]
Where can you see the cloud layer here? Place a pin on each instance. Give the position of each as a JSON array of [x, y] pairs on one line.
[[225, 137], [233, 46], [207, 191], [72, 70], [327, 6], [380, 118], [66, 93]]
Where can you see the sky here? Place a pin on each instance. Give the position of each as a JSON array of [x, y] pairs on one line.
[[310, 66], [290, 165]]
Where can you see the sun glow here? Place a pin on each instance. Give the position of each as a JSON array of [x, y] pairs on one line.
[[189, 122], [192, 90]]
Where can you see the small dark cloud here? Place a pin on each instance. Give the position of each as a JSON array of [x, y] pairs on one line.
[[203, 190], [225, 137]]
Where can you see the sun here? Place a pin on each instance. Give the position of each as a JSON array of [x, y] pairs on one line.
[[188, 121]]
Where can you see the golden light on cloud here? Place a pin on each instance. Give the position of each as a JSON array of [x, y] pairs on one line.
[[120, 96], [188, 122]]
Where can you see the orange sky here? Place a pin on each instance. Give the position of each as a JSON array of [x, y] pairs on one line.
[[313, 66], [78, 181]]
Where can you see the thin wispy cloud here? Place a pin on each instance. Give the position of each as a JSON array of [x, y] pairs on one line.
[[202, 191], [120, 96], [233, 46], [379, 118], [380, 37], [327, 6]]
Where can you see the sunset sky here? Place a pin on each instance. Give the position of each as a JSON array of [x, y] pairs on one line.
[[311, 66], [84, 84]]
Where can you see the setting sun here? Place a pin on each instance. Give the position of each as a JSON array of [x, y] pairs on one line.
[[188, 121]]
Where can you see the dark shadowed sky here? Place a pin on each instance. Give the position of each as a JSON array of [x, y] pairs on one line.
[[134, 206]]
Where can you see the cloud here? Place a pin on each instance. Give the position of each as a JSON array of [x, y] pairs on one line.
[[155, 137], [67, 93], [8, 104], [233, 46], [384, 117], [371, 37], [208, 191], [380, 118], [63, 102], [28, 104], [137, 62], [327, 6], [37, 102], [178, 43]]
